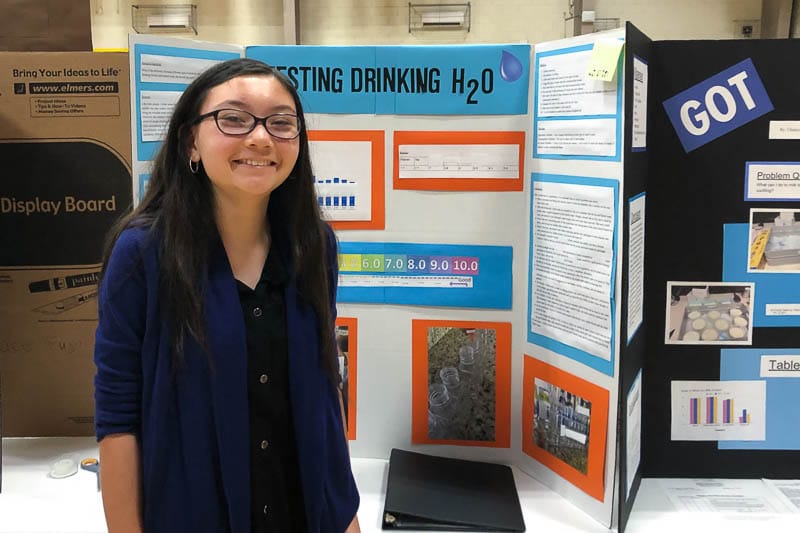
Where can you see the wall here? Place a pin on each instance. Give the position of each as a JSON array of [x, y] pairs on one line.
[[349, 22], [776, 18], [386, 22], [682, 19], [242, 22]]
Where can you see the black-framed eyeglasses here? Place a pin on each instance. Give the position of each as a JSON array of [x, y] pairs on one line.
[[237, 122]]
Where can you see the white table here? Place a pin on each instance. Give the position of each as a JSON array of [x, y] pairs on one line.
[[31, 502]]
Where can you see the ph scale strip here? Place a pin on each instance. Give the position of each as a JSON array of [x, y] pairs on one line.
[[420, 282], [408, 264]]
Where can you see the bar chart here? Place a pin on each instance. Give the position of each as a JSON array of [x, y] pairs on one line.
[[718, 410], [713, 410], [348, 176], [337, 193]]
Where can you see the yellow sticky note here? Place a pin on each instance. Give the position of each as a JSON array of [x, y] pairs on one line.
[[605, 56]]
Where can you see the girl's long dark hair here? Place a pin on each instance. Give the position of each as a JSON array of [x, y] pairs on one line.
[[178, 207]]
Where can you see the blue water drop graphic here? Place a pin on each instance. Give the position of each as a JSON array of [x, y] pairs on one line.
[[510, 67]]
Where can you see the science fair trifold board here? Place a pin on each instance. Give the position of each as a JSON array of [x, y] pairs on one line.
[[706, 308], [520, 283]]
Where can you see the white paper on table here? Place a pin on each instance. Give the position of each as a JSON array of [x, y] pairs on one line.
[[729, 496], [787, 490]]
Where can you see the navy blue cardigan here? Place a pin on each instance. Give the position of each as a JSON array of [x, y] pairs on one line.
[[192, 425]]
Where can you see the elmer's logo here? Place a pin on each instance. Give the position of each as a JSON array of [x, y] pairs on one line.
[[718, 105]]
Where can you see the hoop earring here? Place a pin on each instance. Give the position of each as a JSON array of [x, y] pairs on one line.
[[194, 166]]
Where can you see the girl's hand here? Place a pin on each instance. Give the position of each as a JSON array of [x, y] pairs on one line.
[[353, 527]]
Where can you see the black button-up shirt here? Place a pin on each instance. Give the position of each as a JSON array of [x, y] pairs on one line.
[[276, 496]]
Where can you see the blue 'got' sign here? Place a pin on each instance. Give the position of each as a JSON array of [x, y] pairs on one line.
[[718, 105]]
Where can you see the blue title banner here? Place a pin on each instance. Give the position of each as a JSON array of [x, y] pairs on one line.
[[718, 105], [406, 80]]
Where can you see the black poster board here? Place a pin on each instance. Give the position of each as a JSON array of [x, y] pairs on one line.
[[691, 194], [637, 45]]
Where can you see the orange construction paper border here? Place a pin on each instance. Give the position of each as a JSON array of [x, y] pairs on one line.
[[459, 137], [377, 138], [592, 483], [352, 372], [419, 382]]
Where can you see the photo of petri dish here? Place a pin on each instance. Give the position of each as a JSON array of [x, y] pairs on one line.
[[691, 336], [705, 313], [709, 335], [736, 332]]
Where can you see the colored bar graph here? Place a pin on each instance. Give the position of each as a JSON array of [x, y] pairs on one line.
[[712, 413], [694, 411], [336, 192], [727, 411], [745, 418], [716, 411]]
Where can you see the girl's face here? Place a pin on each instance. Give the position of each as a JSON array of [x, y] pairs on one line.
[[252, 165]]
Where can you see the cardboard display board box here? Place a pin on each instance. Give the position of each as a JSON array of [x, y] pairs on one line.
[[65, 147]]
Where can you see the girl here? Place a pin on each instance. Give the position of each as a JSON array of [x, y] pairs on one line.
[[217, 408]]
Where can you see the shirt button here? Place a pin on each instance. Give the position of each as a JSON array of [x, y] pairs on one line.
[[266, 510], [264, 444], [257, 312], [264, 378]]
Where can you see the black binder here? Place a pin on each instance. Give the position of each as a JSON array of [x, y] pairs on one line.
[[428, 493]]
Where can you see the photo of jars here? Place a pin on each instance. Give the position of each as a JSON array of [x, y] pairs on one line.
[[561, 424], [461, 383]]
